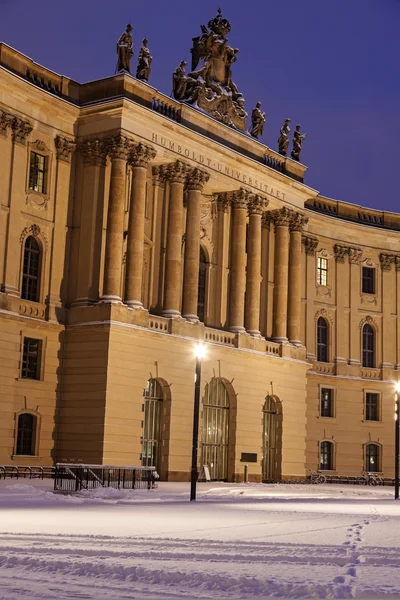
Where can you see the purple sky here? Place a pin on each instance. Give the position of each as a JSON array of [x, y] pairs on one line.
[[331, 65]]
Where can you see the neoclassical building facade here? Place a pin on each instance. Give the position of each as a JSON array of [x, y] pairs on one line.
[[133, 227]]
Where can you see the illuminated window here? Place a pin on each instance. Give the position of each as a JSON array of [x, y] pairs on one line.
[[326, 456], [326, 408], [38, 173], [372, 458], [322, 271]]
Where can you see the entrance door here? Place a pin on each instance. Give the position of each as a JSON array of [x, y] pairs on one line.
[[215, 430], [151, 445], [270, 471]]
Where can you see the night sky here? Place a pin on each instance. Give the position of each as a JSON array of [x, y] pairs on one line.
[[330, 65]]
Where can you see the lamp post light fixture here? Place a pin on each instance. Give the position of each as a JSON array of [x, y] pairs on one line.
[[396, 442], [200, 352]]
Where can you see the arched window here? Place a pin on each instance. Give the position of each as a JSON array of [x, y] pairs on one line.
[[372, 458], [26, 434], [368, 346], [322, 340], [201, 297], [152, 425], [326, 456], [30, 272], [215, 430]]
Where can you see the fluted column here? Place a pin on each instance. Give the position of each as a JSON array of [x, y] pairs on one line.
[[281, 218], [176, 175], [238, 261], [195, 182], [294, 304], [253, 277], [119, 149], [138, 160]]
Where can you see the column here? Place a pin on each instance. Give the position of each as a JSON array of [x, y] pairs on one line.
[[282, 218], [222, 245], [253, 279], [157, 254], [90, 222], [238, 261], [176, 174], [195, 182], [310, 248], [294, 304], [118, 150], [138, 160]]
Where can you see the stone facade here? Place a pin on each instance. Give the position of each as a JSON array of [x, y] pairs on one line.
[[149, 237]]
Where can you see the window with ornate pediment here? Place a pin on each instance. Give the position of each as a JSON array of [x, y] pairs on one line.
[[368, 280], [368, 346], [31, 270], [322, 340]]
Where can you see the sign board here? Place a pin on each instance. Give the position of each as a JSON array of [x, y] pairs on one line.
[[248, 457], [205, 469]]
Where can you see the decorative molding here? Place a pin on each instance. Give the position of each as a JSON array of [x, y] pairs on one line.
[[119, 147], [38, 201], [368, 262], [370, 321], [196, 179], [282, 217], [21, 129], [94, 152], [298, 221], [240, 199], [6, 120], [64, 148], [340, 252], [257, 204], [159, 175], [323, 253], [36, 232], [324, 290], [310, 244], [208, 212], [387, 260], [397, 263], [223, 202], [141, 155], [354, 255], [368, 299], [324, 314], [177, 172]]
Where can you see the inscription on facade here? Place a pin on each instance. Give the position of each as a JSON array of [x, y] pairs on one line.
[[218, 166]]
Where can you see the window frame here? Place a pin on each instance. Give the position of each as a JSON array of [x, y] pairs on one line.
[[318, 344], [26, 334], [332, 465], [379, 456], [36, 444], [324, 271], [378, 406], [27, 275], [34, 152], [367, 352], [373, 279], [332, 391]]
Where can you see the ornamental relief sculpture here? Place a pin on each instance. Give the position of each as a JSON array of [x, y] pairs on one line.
[[324, 314], [310, 245], [370, 321]]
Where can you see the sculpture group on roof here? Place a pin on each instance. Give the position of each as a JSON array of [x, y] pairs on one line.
[[209, 86]]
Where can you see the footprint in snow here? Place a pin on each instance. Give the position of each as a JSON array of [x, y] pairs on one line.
[[351, 571]]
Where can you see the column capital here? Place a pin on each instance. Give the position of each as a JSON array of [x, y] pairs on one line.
[[21, 129], [141, 155], [159, 173], [387, 260], [281, 217], [222, 202], [257, 204], [298, 221], [240, 199], [6, 120], [64, 148], [340, 252], [94, 152], [119, 147], [310, 244], [355, 255], [397, 262], [196, 179], [177, 172]]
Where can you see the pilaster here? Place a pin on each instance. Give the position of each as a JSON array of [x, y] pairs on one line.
[[256, 207], [239, 204]]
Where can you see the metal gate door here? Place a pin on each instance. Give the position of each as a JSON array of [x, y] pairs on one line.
[[215, 431], [151, 442], [269, 440]]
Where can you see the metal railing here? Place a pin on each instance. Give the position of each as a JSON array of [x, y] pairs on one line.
[[76, 477], [25, 472]]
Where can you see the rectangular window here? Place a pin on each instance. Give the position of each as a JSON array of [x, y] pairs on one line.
[[38, 173], [322, 274], [368, 280], [371, 406], [31, 358], [326, 402]]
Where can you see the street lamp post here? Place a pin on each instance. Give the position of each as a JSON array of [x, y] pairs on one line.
[[396, 442], [200, 352]]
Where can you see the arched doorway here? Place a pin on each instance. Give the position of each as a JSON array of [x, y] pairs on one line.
[[272, 434], [215, 429], [152, 425], [201, 296]]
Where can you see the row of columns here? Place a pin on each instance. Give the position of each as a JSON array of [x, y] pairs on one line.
[[245, 272]]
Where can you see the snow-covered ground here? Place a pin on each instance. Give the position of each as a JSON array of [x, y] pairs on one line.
[[236, 541]]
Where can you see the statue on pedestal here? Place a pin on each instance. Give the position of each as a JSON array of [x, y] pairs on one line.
[[257, 121], [209, 85], [125, 50], [144, 62], [179, 81], [298, 139], [283, 140]]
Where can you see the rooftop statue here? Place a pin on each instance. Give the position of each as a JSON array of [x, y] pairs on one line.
[[144, 62], [209, 85], [257, 121], [298, 139], [283, 140], [125, 50]]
